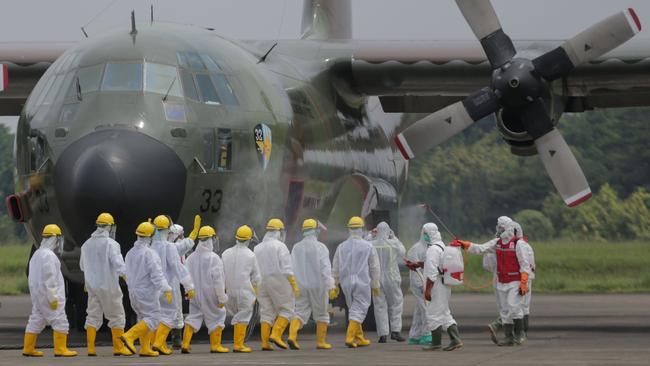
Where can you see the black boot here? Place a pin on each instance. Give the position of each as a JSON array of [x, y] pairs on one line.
[[454, 336], [494, 329], [519, 331], [509, 341], [526, 326], [436, 340], [397, 337], [382, 339]]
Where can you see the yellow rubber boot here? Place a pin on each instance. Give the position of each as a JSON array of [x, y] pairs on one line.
[[188, 332], [293, 333], [160, 340], [349, 334], [91, 335], [145, 345], [279, 327], [61, 345], [321, 334], [360, 340], [239, 336], [215, 342], [118, 347], [137, 331], [29, 346], [266, 334]]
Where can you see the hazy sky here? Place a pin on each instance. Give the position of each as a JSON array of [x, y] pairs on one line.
[[60, 20]]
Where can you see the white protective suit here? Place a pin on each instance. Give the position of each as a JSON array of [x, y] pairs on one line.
[[146, 282], [102, 264], [183, 246], [356, 268], [242, 273], [206, 270], [46, 285], [175, 274], [275, 293], [510, 302], [530, 256], [490, 259], [438, 312], [390, 302], [313, 271], [418, 253]]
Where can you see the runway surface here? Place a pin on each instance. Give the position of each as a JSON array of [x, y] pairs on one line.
[[565, 330]]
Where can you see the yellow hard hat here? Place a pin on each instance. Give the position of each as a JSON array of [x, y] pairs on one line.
[[309, 224], [206, 232], [161, 222], [145, 229], [51, 230], [275, 224], [244, 233], [355, 222], [105, 219]]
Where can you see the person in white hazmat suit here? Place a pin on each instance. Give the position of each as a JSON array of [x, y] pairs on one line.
[[175, 274], [437, 293], [242, 283], [388, 305], [415, 257], [490, 265], [313, 270], [279, 288], [47, 292], [146, 282], [530, 255], [102, 264], [207, 306], [356, 268], [184, 246], [513, 271]]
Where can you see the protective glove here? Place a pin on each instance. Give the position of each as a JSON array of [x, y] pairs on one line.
[[256, 290], [294, 286], [190, 294], [523, 284], [463, 243], [427, 290], [85, 289], [123, 277], [195, 229], [54, 304], [221, 305], [375, 291], [168, 296], [334, 293], [410, 265]]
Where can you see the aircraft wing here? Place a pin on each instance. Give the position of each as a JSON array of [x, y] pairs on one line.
[[24, 63], [424, 76]]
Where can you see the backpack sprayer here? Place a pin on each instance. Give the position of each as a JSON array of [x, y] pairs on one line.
[[466, 281]]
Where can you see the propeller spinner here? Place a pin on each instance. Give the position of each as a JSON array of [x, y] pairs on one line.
[[517, 86]]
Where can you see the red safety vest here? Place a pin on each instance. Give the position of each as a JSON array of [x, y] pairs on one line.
[[507, 262]]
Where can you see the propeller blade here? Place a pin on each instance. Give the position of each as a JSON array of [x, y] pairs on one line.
[[441, 125], [483, 20], [589, 44], [562, 166]]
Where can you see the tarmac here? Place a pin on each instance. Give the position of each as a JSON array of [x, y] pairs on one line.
[[565, 330]]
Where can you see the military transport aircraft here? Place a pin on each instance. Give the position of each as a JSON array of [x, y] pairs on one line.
[[161, 118]]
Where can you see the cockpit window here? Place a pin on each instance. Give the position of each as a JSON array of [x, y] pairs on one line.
[[89, 78], [208, 92], [162, 78], [194, 60], [209, 63], [225, 90], [122, 76], [188, 85]]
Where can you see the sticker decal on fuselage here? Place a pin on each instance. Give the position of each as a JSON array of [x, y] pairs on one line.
[[263, 144]]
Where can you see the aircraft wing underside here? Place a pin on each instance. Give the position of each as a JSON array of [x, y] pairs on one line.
[[423, 76]]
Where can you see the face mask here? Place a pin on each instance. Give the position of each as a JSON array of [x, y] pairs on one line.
[[426, 238], [112, 231], [215, 244], [283, 235], [59, 245]]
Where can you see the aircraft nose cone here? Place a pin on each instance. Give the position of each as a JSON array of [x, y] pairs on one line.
[[126, 173]]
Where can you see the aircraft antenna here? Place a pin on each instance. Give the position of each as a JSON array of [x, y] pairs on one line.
[[151, 13], [83, 28], [169, 89], [134, 31], [263, 58], [84, 32]]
